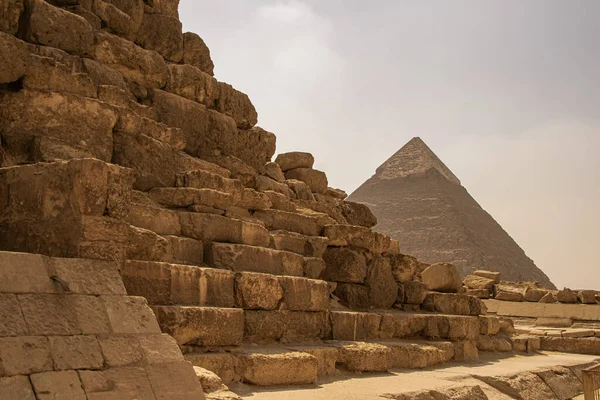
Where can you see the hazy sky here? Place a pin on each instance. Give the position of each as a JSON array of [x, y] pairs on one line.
[[506, 93]]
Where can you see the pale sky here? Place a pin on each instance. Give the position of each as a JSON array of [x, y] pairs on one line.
[[505, 92]]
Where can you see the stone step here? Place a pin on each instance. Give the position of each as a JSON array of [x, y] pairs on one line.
[[309, 246], [240, 257], [310, 225], [451, 303], [174, 284], [200, 179], [357, 236]]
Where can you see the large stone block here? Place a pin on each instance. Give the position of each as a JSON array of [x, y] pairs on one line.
[[75, 127], [10, 13], [45, 74], [24, 355], [237, 105], [404, 268], [310, 246], [347, 325], [301, 294], [525, 385], [344, 265], [196, 53], [162, 33], [16, 387], [293, 160], [58, 385], [353, 296], [53, 26], [288, 221], [144, 67], [383, 289], [174, 381], [132, 122], [478, 282], [442, 277], [76, 352], [193, 84], [200, 179], [365, 357], [357, 236], [451, 303], [186, 197], [117, 383], [11, 318], [216, 228], [563, 382], [290, 368], [357, 213], [316, 180], [129, 315], [255, 259], [414, 292], [202, 326], [567, 296], [285, 326], [256, 291], [14, 56], [84, 276]]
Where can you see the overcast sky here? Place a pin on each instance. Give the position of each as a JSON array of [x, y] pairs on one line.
[[506, 93]]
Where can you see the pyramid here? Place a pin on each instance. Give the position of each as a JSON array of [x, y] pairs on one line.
[[420, 202]]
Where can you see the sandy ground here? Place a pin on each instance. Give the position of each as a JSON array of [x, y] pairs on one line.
[[372, 386]]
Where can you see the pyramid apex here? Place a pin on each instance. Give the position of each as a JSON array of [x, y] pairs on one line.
[[415, 157]]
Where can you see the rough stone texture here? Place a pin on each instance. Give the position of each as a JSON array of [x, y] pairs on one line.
[[344, 265], [293, 160], [162, 33], [357, 236], [237, 105], [293, 368], [441, 228], [285, 326], [563, 382], [442, 277], [383, 289], [196, 53], [358, 214], [525, 385], [587, 296], [10, 12], [255, 259], [414, 292], [535, 295], [365, 357], [478, 282], [450, 303], [316, 180], [255, 291], [14, 57], [566, 296]]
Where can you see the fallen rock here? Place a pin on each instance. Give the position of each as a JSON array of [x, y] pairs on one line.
[[358, 214], [509, 296], [587, 296], [442, 277], [414, 292], [293, 160], [209, 380], [549, 298], [567, 296], [495, 276], [535, 295], [478, 282], [316, 180]]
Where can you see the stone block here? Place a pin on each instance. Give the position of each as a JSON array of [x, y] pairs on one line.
[[225, 365], [193, 84], [404, 268], [255, 259], [58, 385], [365, 357], [202, 326], [301, 294], [75, 352], [130, 315], [535, 295], [120, 350], [255, 291], [91, 315], [185, 197], [10, 13], [291, 368], [196, 53], [117, 383], [349, 325], [300, 189], [416, 356], [357, 236], [160, 349], [525, 385], [272, 170], [414, 292], [158, 220], [253, 200], [131, 122], [264, 183], [238, 106], [175, 381], [24, 355], [16, 387], [359, 214], [24, 273], [53, 26], [549, 298], [310, 246], [326, 358], [450, 303], [563, 382], [86, 276], [442, 277], [567, 296], [162, 33], [478, 282], [80, 127], [383, 289], [587, 296], [354, 296], [489, 325], [495, 276], [313, 267], [11, 318], [14, 56], [293, 160], [49, 314], [200, 179], [479, 293], [285, 326], [216, 228], [509, 296], [144, 67], [288, 221], [148, 279], [465, 351], [45, 74], [316, 180], [344, 265]]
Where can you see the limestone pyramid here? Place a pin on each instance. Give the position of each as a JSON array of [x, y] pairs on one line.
[[420, 202]]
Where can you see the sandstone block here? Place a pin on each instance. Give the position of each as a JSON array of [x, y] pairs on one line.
[[208, 228], [120, 350], [44, 73], [280, 201], [383, 289], [202, 326], [52, 26], [272, 170], [24, 355], [264, 183], [256, 291], [288, 221], [587, 296], [78, 127], [414, 292], [23, 273], [75, 352], [478, 282], [133, 123], [310, 246], [489, 325], [495, 276], [300, 189], [563, 382], [358, 214], [253, 200], [535, 295], [292, 368], [57, 385], [11, 318], [87, 276], [162, 33], [189, 82], [186, 251], [414, 356], [316, 180], [549, 298], [196, 53], [225, 365], [145, 67], [285, 326], [237, 105], [255, 259], [91, 314], [14, 56], [201, 179], [352, 326], [442, 277], [49, 314], [509, 296], [344, 265], [451, 303], [114, 19], [301, 294], [101, 74], [365, 357], [186, 197], [357, 236], [404, 268], [119, 383], [160, 349], [16, 387], [313, 267], [209, 380], [293, 160], [353, 296], [566, 296], [465, 351], [130, 315]]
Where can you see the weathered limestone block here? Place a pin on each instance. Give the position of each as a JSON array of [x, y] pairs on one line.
[[83, 126], [186, 250], [114, 20], [348, 325], [280, 201], [357, 236], [144, 67], [301, 189], [301, 294], [404, 268], [52, 26], [14, 56], [414, 292], [383, 289], [479, 293], [316, 180], [535, 295], [255, 259], [414, 356], [264, 183], [288, 221], [344, 265], [10, 13], [525, 385], [571, 345], [255, 291], [236, 105], [24, 355], [58, 384], [128, 315], [253, 200], [587, 296], [358, 214], [124, 382], [133, 123], [353, 296], [336, 193], [549, 298], [16, 387], [76, 352], [272, 170], [293, 160], [193, 84], [162, 33], [495, 276], [489, 325], [365, 357], [291, 368], [11, 318], [196, 53], [563, 382], [255, 146], [451, 303], [285, 326], [567, 296], [509, 296], [216, 228], [45, 74], [313, 267], [442, 277], [326, 358], [202, 326], [225, 365], [310, 246], [185, 197], [200, 179], [478, 282]]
